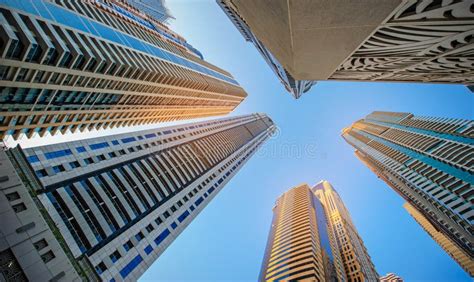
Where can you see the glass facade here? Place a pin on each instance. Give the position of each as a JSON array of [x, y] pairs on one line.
[[428, 161], [120, 206]]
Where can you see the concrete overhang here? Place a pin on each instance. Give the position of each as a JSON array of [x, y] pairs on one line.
[[311, 38]]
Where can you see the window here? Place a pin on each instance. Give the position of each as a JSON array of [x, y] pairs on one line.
[[89, 161], [148, 249], [162, 236], [80, 149], [183, 216], [99, 146], [173, 208], [58, 168], [74, 164], [12, 196], [58, 154], [33, 159], [115, 256], [115, 142], [149, 228], [174, 225], [100, 268], [41, 244], [19, 207], [46, 257], [41, 173], [128, 140], [139, 236], [166, 214], [128, 245], [158, 221], [112, 154]]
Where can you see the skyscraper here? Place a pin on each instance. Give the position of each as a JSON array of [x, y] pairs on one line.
[[312, 237], [296, 87], [154, 8], [459, 255], [74, 65], [387, 40], [115, 203], [355, 258], [426, 160], [391, 277]]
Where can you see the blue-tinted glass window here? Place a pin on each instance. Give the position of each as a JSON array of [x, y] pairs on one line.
[[58, 168], [100, 268], [131, 266], [80, 149], [174, 225], [139, 236], [198, 201], [162, 236], [140, 137], [74, 164], [151, 135], [115, 256], [128, 140], [99, 146], [57, 154], [128, 245], [148, 249], [33, 159], [115, 142], [41, 173], [183, 216]]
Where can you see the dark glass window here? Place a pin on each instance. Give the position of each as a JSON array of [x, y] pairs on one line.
[[115, 256], [128, 245]]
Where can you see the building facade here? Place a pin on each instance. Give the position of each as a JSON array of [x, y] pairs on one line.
[[391, 277], [389, 40], [458, 254], [426, 160], [310, 239], [357, 263], [116, 203], [79, 65], [155, 8], [295, 87]]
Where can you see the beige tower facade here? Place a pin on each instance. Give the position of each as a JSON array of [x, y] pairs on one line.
[[313, 238], [355, 258], [458, 254], [391, 277], [82, 65]]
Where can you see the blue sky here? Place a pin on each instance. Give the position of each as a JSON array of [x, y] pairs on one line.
[[227, 240]]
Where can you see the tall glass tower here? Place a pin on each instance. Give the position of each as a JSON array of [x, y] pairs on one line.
[[115, 203], [426, 160], [312, 237], [81, 65]]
